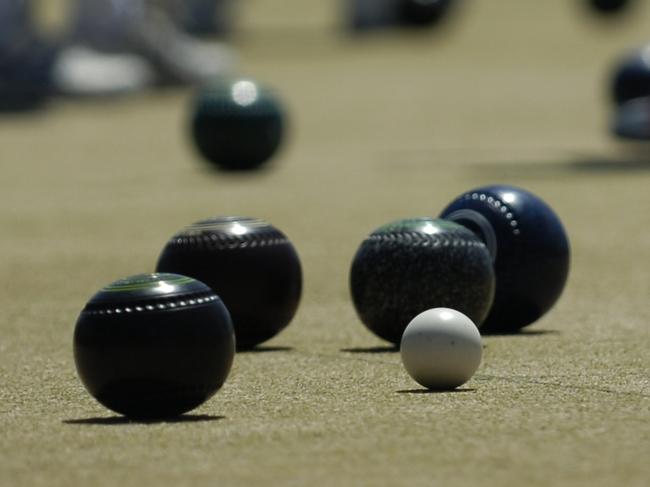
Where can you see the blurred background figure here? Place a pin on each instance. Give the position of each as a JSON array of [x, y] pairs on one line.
[[111, 47]]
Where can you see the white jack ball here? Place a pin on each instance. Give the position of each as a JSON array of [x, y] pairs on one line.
[[441, 348]]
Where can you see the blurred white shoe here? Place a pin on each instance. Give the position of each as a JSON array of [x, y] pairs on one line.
[[81, 71]]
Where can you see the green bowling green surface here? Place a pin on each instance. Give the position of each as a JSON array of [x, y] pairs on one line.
[[383, 126]]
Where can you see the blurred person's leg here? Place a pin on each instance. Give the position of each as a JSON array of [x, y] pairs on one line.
[[96, 60], [25, 59], [179, 57], [105, 24], [15, 20], [146, 28], [205, 17], [31, 68]]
